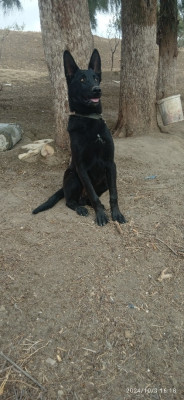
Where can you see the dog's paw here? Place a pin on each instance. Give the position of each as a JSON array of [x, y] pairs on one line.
[[82, 211], [101, 218], [118, 217]]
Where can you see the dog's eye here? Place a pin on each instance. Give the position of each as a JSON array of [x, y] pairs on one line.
[[83, 79]]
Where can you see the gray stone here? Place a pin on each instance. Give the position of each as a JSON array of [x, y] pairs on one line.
[[10, 134], [51, 361], [60, 394]]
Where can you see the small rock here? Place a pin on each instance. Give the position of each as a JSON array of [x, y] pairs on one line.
[[51, 361], [128, 334], [2, 309], [10, 134], [58, 358], [89, 386], [60, 394]]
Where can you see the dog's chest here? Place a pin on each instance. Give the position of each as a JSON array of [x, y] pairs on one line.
[[97, 141], [100, 139], [91, 141], [88, 132]]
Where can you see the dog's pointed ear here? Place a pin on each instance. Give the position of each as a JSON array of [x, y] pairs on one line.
[[95, 63], [70, 66]]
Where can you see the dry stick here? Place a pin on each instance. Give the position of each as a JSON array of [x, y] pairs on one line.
[[22, 371], [92, 351], [118, 227], [170, 248]]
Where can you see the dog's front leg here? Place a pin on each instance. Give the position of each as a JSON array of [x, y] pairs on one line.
[[111, 179], [101, 217]]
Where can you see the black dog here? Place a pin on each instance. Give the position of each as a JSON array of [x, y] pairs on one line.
[[92, 170]]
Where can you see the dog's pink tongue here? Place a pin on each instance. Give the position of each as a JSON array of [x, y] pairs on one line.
[[95, 100]]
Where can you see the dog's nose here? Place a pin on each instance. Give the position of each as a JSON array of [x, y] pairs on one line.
[[96, 90]]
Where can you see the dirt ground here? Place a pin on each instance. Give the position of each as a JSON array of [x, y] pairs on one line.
[[88, 312]]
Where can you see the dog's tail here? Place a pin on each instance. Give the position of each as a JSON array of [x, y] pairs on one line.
[[50, 202]]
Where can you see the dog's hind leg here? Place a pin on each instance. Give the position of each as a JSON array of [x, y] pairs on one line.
[[73, 189], [76, 207]]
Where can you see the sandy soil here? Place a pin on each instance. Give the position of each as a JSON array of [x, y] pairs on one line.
[[88, 312]]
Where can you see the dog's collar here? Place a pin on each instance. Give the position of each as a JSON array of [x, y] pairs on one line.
[[93, 116]]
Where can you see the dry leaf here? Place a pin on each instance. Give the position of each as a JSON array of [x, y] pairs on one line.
[[163, 275]]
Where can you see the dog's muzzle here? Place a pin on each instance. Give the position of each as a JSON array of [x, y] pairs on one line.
[[96, 91], [95, 95]]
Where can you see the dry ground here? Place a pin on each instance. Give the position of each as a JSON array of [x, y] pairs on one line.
[[89, 312]]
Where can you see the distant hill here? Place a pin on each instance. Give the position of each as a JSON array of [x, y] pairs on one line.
[[24, 50]]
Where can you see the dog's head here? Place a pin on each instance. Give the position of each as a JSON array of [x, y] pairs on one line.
[[83, 85]]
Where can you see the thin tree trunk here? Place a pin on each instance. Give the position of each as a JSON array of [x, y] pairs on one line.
[[139, 58], [65, 25], [167, 40]]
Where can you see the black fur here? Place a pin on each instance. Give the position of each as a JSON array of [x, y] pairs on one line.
[[92, 170]]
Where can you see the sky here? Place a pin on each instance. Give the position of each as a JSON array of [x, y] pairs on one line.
[[29, 18]]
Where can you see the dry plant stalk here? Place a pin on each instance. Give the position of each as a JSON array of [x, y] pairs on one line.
[[170, 248], [4, 382], [118, 227]]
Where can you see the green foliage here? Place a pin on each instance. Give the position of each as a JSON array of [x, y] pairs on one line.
[[15, 27], [9, 4], [173, 14], [105, 6], [94, 7]]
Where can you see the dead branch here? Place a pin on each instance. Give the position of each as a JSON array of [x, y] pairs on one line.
[[22, 371], [170, 248]]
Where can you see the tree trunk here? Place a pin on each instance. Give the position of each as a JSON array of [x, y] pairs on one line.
[[65, 25], [139, 58], [167, 40]]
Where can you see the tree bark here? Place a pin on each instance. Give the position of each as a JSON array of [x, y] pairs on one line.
[[167, 41], [139, 58], [65, 25]]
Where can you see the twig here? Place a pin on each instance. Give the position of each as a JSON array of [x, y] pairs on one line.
[[81, 276], [76, 396], [126, 359], [35, 352], [170, 248], [17, 397], [4, 382], [118, 227], [22, 371], [92, 351]]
